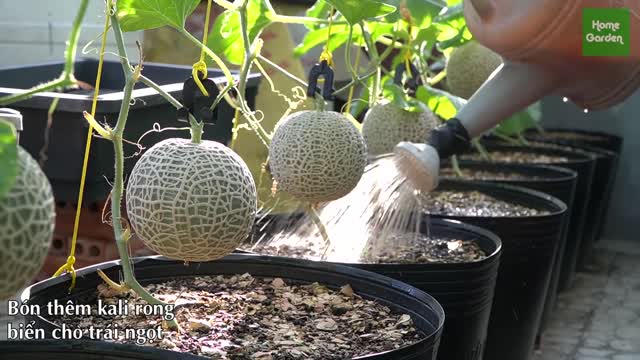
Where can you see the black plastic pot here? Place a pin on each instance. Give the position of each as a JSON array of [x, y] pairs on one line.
[[528, 246], [84, 350], [427, 313], [69, 130], [465, 290], [583, 163], [556, 181], [604, 140], [606, 144], [606, 169]]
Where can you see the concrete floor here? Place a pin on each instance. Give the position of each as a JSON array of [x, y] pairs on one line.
[[599, 319]]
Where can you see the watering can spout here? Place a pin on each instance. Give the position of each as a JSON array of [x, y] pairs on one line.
[[483, 8], [511, 88]]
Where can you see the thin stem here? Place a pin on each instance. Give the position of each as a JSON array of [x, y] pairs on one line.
[[303, 20], [522, 140], [455, 164], [376, 60], [244, 70], [315, 217], [481, 149], [225, 70], [72, 45], [118, 186], [506, 138], [58, 83], [283, 71], [226, 4]]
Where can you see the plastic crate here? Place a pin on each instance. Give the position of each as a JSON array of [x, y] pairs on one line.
[[67, 137]]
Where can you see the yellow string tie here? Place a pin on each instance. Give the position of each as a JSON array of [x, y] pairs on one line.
[[201, 66], [71, 260], [326, 54]]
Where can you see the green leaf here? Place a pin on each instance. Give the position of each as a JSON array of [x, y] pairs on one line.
[[8, 156], [319, 10], [137, 15], [355, 11], [422, 11], [519, 122], [313, 38], [397, 95], [226, 36], [442, 103], [453, 28]]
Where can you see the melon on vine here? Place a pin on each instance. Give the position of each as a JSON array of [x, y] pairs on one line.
[[27, 221], [191, 201], [317, 156], [468, 67], [386, 124]]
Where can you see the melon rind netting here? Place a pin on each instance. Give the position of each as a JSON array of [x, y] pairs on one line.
[[192, 202], [27, 222], [317, 156]]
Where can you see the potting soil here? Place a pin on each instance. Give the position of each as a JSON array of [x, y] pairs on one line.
[[517, 157], [473, 203], [485, 175], [242, 317]]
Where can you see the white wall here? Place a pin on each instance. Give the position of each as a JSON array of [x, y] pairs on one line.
[[35, 31]]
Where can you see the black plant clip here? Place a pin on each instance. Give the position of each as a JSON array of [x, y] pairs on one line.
[[321, 69], [196, 103], [413, 81]]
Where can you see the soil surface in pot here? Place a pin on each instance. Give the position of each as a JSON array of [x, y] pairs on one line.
[[245, 317], [404, 249], [517, 157], [477, 174], [473, 203], [561, 135]]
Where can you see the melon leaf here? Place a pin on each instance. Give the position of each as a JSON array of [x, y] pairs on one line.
[[422, 11], [397, 95], [519, 122], [319, 10], [355, 11], [225, 37], [444, 104], [8, 156], [137, 15]]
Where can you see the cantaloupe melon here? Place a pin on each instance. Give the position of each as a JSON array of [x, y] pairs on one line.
[[27, 221], [191, 202], [386, 124], [317, 156], [468, 67]]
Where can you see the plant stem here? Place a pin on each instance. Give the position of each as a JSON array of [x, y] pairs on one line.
[[48, 86], [225, 70], [455, 164], [506, 138], [481, 149], [303, 20], [118, 186], [72, 44], [376, 60], [283, 71], [244, 70]]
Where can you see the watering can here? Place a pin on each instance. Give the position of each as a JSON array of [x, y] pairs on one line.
[[541, 43]]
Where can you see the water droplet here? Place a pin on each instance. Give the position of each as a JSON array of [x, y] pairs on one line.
[[586, 111], [565, 99]]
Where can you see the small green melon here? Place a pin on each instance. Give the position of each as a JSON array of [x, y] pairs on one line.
[[317, 156], [386, 124], [468, 67], [191, 202], [27, 221]]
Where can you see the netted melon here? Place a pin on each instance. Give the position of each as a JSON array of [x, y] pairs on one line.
[[191, 202], [468, 67], [27, 220], [317, 156], [386, 124]]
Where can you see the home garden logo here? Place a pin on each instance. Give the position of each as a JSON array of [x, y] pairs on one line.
[[606, 32]]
